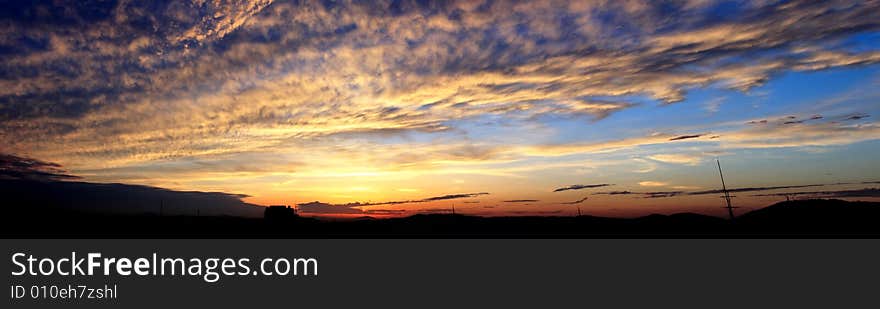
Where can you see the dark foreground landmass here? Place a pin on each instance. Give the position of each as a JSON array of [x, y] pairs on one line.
[[803, 218]]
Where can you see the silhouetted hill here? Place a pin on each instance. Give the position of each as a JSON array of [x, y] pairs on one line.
[[820, 216], [806, 218], [44, 197]]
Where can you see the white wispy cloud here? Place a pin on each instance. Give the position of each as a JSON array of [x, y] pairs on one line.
[[649, 183]]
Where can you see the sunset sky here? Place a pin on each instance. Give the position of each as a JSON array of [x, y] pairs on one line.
[[539, 104]]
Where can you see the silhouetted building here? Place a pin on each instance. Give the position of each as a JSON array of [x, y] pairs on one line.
[[279, 213]]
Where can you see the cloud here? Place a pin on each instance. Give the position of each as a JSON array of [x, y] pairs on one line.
[[435, 210], [141, 83], [556, 150], [866, 192], [614, 193], [857, 117], [579, 187], [785, 120], [324, 208], [660, 194], [348, 208], [351, 208], [680, 158], [53, 197], [652, 183], [649, 166], [121, 199], [765, 135], [678, 138], [396, 212], [802, 135], [712, 106], [575, 202], [30, 185], [654, 194], [686, 187], [452, 196], [15, 167], [751, 189], [221, 18]]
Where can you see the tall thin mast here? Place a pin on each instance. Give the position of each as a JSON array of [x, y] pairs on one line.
[[724, 188]]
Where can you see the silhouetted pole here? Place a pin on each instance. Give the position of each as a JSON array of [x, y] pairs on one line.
[[579, 211], [453, 208], [724, 188]]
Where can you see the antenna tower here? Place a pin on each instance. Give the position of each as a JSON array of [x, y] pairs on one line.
[[724, 188]]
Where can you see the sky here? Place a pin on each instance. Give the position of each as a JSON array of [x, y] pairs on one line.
[[619, 108]]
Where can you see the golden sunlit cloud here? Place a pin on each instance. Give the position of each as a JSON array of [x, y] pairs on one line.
[[688, 159], [652, 184]]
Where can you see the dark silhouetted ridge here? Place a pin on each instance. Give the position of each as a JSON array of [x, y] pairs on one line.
[[803, 218]]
